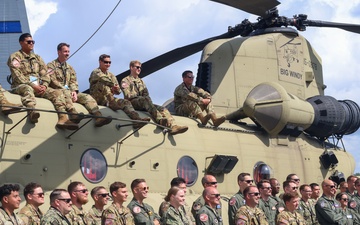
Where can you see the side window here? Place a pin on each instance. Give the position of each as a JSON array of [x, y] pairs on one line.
[[93, 165], [187, 169], [262, 171]]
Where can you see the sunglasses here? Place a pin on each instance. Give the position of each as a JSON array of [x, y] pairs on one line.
[[107, 62], [104, 195], [30, 42], [249, 181], [40, 194], [296, 180], [216, 195], [145, 188], [191, 77], [331, 186], [138, 67], [295, 188], [267, 188], [67, 200], [345, 199], [82, 191], [255, 193], [211, 183]]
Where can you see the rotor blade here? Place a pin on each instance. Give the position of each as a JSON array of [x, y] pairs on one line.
[[173, 56], [257, 7], [345, 26]]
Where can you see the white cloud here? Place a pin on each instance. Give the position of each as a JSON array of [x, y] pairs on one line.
[[38, 13]]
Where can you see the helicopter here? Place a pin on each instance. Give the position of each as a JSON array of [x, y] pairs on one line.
[[268, 83]]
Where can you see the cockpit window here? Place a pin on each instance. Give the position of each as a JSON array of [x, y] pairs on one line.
[[93, 165], [262, 171], [187, 169]]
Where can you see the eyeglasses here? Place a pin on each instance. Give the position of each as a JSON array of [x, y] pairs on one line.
[[145, 188], [267, 188], [255, 193], [296, 180], [191, 77], [216, 195], [82, 191], [249, 181], [211, 183], [39, 194], [30, 42], [331, 186], [345, 199], [138, 67], [104, 195], [67, 200], [295, 188], [107, 62]]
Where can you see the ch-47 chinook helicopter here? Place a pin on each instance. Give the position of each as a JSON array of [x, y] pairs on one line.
[[268, 83]]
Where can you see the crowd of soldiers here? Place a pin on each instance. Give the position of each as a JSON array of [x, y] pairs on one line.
[[251, 205], [57, 82]]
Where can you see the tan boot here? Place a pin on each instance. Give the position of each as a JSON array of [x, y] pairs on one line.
[[7, 107], [99, 122], [175, 129], [203, 119], [217, 121], [32, 114], [135, 116], [65, 123], [75, 117]]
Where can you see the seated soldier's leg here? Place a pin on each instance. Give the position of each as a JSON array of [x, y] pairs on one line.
[[191, 108], [6, 106], [28, 100], [211, 114], [130, 111], [74, 116], [175, 129], [90, 104], [56, 96], [101, 93], [145, 103]]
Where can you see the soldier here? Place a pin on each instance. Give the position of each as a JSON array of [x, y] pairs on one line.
[[34, 196], [164, 206], [117, 213], [275, 189], [249, 214], [63, 77], [244, 180], [6, 106], [351, 186], [175, 215], [79, 197], [101, 197], [207, 181], [143, 213], [266, 203], [289, 216], [289, 186], [354, 203], [351, 216], [328, 209], [307, 205], [208, 215], [343, 186], [137, 93], [103, 87], [293, 177], [192, 101], [10, 200], [30, 79], [60, 206], [315, 188]]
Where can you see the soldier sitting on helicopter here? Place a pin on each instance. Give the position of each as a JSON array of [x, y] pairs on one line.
[[192, 101]]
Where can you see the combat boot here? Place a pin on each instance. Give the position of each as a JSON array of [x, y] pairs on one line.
[[7, 107], [99, 122], [135, 116], [65, 123], [217, 121], [32, 114], [175, 129], [75, 117], [203, 119]]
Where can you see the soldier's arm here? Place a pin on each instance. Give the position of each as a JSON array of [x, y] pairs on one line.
[[73, 83], [108, 218], [128, 89], [232, 209], [16, 73], [98, 76], [202, 93], [43, 72], [331, 216]]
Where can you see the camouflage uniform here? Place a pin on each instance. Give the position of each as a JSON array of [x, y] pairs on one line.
[[100, 89], [175, 217], [208, 216], [114, 216], [351, 216], [235, 203], [290, 218], [307, 210], [54, 217], [199, 203], [5, 219], [164, 206], [137, 93], [328, 211], [63, 77], [188, 101], [250, 216], [76, 216], [93, 217], [269, 207], [30, 215], [31, 69], [143, 214], [354, 203]]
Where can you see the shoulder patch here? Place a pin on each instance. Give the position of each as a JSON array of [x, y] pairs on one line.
[[284, 221], [203, 217], [322, 204], [242, 217], [136, 209], [50, 71], [352, 204], [108, 222], [240, 222], [124, 84], [232, 201], [15, 62], [280, 209]]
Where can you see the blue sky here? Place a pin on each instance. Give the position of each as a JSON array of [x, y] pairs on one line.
[[143, 29]]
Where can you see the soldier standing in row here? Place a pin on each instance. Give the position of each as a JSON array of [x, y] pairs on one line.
[[117, 213], [192, 101], [208, 215], [79, 197], [34, 196], [60, 206], [275, 189], [63, 77], [267, 204], [316, 193], [289, 216], [103, 87], [307, 205], [137, 93], [10, 200], [100, 196], [175, 215], [30, 79]]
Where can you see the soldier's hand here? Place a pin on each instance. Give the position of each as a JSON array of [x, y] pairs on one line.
[[115, 89], [156, 222], [206, 101], [74, 97]]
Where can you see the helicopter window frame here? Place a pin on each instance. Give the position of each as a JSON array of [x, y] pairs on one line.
[[93, 153], [185, 173], [257, 171]]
